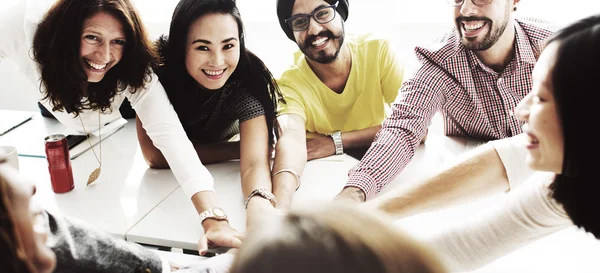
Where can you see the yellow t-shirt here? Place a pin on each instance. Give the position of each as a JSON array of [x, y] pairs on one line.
[[375, 77]]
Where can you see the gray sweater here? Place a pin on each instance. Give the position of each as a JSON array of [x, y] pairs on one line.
[[81, 247]]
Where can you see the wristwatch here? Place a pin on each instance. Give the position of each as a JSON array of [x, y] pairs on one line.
[[337, 141], [264, 194], [213, 213]]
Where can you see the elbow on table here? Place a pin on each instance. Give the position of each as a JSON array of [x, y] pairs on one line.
[[156, 160]]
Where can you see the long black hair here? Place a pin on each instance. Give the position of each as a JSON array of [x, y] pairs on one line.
[[577, 93], [56, 47], [250, 69]]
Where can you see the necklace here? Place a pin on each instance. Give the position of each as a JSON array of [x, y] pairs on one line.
[[96, 173]]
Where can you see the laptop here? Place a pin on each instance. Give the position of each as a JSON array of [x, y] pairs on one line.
[[11, 119]]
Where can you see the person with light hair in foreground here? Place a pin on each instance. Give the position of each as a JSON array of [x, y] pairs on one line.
[[332, 238]]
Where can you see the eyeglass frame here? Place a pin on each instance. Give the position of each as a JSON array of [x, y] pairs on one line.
[[463, 1], [288, 21]]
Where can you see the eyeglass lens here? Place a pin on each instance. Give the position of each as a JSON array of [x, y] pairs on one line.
[[322, 16]]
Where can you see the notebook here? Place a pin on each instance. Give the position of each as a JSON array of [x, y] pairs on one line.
[[11, 119]]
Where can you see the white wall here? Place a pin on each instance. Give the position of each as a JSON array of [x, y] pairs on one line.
[[406, 22]]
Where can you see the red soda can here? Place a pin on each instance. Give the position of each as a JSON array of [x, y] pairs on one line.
[[59, 163]]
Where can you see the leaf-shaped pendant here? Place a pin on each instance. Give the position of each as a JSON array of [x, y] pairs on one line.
[[93, 176]]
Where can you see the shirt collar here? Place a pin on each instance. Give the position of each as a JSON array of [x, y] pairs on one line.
[[523, 50]]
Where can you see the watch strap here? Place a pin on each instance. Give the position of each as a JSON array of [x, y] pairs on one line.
[[262, 193], [337, 142], [210, 214]]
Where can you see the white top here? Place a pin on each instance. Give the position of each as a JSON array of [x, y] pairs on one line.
[[527, 214], [17, 28]]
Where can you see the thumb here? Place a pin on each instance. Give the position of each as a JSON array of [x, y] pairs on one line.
[[202, 245], [236, 242]]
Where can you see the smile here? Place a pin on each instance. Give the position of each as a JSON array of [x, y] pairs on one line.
[[532, 139], [472, 26], [214, 74], [320, 42], [96, 66]]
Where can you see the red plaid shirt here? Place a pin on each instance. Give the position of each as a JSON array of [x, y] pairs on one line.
[[475, 101]]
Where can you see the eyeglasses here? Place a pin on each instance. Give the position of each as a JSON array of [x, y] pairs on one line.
[[458, 3], [322, 15]]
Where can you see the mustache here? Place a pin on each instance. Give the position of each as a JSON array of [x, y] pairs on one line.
[[461, 19], [325, 33]]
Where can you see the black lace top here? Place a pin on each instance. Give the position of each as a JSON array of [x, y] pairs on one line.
[[213, 115]]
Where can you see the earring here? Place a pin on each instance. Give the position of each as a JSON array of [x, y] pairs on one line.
[[515, 9]]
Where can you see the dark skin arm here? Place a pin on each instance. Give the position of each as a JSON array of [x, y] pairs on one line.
[[208, 153]]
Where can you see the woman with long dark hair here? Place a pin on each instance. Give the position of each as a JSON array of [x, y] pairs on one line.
[[86, 57], [219, 89]]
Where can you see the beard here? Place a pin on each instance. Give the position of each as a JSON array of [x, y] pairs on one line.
[[322, 56], [478, 43]]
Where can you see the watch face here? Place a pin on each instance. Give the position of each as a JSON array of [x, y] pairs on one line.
[[219, 212]]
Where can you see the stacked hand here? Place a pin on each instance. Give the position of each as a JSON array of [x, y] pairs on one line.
[[218, 234]]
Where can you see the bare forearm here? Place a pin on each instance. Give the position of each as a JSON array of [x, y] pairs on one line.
[[359, 138], [255, 175], [218, 152], [290, 154], [475, 174]]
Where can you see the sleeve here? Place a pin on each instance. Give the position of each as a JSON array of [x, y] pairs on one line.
[[394, 145], [528, 214], [513, 154], [294, 104], [247, 106], [164, 128], [219, 264], [392, 69], [80, 247], [12, 30]]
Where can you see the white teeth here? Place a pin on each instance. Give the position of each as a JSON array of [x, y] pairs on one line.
[[213, 72], [473, 25], [320, 42], [95, 65]]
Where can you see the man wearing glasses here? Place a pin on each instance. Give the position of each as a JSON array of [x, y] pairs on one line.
[[475, 76], [339, 90]]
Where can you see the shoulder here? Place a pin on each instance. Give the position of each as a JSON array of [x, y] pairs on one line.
[[537, 30], [441, 49], [367, 40], [294, 76]]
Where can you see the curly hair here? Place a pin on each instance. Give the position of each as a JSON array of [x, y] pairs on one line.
[[13, 256], [576, 92], [250, 70], [56, 47]]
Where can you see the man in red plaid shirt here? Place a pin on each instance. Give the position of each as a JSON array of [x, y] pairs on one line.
[[475, 76]]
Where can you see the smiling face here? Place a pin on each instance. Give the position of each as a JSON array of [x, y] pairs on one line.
[[212, 50], [480, 27], [319, 42], [538, 110], [30, 221], [102, 45]]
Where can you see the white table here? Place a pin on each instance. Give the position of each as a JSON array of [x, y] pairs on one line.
[[148, 206], [173, 223], [123, 194]]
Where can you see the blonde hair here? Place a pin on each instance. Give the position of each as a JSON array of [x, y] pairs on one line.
[[332, 238]]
